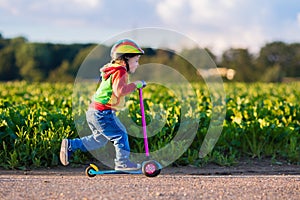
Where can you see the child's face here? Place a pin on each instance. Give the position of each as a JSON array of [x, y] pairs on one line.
[[133, 63]]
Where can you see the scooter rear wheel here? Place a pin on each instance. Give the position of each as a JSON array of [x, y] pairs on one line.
[[151, 168], [88, 171]]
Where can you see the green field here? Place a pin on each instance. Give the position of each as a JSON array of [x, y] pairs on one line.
[[262, 121]]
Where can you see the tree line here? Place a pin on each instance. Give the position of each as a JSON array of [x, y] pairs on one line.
[[30, 61]]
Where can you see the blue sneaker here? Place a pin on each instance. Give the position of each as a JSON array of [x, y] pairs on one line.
[[127, 166], [65, 152]]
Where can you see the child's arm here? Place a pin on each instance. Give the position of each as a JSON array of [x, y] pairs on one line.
[[120, 85]]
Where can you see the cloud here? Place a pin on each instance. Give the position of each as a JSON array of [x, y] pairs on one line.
[[50, 13], [218, 24], [9, 7], [209, 11], [219, 41], [77, 5], [229, 23], [172, 11], [212, 23], [202, 12], [47, 8]]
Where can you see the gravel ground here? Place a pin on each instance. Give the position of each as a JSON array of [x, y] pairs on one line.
[[210, 182], [141, 187]]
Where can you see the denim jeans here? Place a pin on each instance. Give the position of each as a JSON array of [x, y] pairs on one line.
[[105, 126]]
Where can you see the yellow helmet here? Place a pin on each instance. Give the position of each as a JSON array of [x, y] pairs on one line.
[[125, 46]]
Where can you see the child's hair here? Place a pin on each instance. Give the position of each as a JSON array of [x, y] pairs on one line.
[[124, 58]]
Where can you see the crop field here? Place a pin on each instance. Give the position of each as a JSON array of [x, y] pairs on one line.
[[262, 121]]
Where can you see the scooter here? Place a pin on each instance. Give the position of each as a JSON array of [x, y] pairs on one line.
[[150, 168]]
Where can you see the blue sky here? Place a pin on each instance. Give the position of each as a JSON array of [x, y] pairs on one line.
[[216, 24]]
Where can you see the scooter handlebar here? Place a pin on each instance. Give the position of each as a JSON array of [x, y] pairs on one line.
[[144, 83], [141, 85]]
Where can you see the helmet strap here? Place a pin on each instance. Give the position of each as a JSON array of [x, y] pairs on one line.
[[127, 65], [125, 59]]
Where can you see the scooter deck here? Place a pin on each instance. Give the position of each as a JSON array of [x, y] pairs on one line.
[[103, 172]]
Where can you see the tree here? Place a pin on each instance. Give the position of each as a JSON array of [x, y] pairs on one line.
[[200, 58], [8, 69], [20, 59], [294, 69], [34, 61], [275, 55], [88, 61], [241, 61], [61, 73]]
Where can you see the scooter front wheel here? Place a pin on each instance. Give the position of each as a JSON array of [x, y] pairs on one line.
[[151, 168]]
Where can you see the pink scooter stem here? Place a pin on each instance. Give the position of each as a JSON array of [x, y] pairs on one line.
[[144, 122]]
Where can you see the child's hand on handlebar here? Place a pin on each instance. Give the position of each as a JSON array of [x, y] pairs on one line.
[[140, 84]]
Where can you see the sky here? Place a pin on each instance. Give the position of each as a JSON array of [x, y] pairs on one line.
[[215, 24]]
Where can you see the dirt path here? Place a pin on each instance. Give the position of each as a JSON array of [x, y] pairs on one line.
[[210, 182]]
